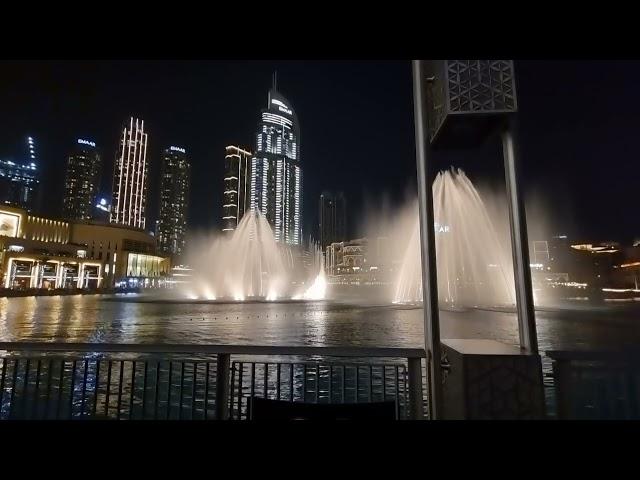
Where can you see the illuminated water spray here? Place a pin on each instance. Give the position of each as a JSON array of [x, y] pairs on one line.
[[473, 266]]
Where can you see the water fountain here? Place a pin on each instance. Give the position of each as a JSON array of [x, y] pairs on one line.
[[473, 266], [250, 265]]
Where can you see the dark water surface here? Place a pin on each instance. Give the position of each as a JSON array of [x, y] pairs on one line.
[[132, 319]]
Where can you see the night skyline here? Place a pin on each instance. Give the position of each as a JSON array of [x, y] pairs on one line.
[[577, 119]]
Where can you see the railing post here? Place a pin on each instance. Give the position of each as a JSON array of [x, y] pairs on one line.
[[222, 386], [416, 407]]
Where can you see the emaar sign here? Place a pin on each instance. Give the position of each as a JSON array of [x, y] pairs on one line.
[[86, 142]]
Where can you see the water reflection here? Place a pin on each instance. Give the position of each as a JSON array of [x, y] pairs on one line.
[[100, 319]]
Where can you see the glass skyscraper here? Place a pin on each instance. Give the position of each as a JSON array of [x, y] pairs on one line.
[[276, 174], [19, 180], [82, 181], [333, 219], [129, 198], [174, 201], [237, 183]]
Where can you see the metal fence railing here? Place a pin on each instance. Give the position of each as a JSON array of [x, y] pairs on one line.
[[596, 385], [190, 382]]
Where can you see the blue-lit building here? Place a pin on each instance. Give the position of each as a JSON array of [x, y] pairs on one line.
[[276, 174], [19, 179]]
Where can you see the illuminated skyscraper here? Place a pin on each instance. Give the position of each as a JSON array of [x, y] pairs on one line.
[[130, 177], [174, 201], [19, 179], [276, 175], [237, 183], [82, 181]]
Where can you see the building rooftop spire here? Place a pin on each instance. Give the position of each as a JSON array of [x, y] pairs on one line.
[[275, 81]]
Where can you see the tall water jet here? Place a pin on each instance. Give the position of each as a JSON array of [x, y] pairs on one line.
[[249, 264], [474, 268]]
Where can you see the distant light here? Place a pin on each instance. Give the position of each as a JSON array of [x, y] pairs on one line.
[[33, 156], [103, 201], [86, 142], [177, 149]]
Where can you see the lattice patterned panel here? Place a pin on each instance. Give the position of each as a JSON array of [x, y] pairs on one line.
[[478, 86]]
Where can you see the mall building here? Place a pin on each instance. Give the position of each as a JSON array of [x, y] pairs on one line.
[[38, 252]]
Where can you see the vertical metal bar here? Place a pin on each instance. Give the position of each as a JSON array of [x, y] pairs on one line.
[[240, 372], [317, 382], [16, 365], [169, 390], [144, 388], [304, 382], [206, 390], [427, 240], [72, 388], [232, 395], [266, 378], [25, 390], [330, 383], [96, 390], [193, 390], [60, 389], [357, 382], [253, 379], [292, 366], [120, 386], [370, 383], [36, 400], [4, 374], [84, 387], [156, 396], [519, 243], [48, 396], [181, 389], [415, 389], [397, 391], [278, 368], [344, 382], [222, 386], [108, 392], [384, 383], [133, 389], [406, 393]]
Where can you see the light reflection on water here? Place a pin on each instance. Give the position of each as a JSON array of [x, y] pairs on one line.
[[85, 318]]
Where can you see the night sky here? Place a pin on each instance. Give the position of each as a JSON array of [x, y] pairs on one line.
[[579, 123]]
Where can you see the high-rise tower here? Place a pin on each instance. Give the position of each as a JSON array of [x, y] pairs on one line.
[[237, 184], [174, 201], [82, 181], [130, 176], [276, 174]]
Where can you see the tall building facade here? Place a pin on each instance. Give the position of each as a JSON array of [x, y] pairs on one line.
[[129, 196], [82, 181], [237, 186], [20, 180], [333, 219], [174, 201], [276, 173]]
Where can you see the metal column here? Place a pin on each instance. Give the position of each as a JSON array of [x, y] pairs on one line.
[[519, 245], [427, 245]]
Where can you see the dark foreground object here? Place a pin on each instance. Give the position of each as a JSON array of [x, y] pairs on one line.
[[264, 409]]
